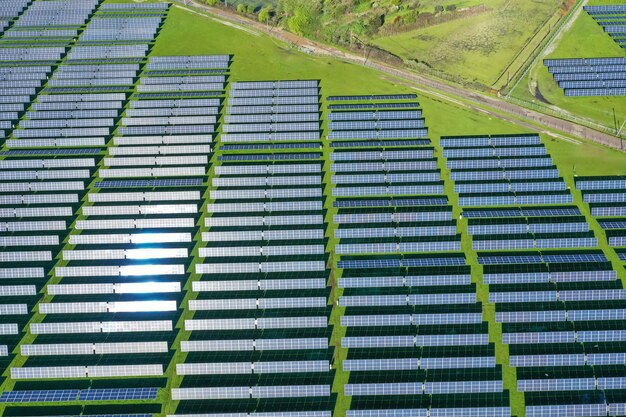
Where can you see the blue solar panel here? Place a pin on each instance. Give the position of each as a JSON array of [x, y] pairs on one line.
[[408, 202], [593, 84], [398, 263], [186, 182], [375, 115], [523, 212], [601, 184], [534, 259], [607, 8], [583, 76], [380, 143], [269, 157], [362, 106], [38, 396], [613, 224], [118, 394], [373, 97], [594, 92], [269, 146], [376, 124], [617, 197], [25, 152], [378, 134]]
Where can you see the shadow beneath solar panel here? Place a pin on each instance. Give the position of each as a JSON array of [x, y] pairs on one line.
[[293, 404], [84, 384], [48, 410], [84, 410]]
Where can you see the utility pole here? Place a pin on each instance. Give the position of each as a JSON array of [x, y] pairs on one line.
[[621, 141]]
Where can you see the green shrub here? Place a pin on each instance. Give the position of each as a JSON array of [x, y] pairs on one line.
[[265, 14]]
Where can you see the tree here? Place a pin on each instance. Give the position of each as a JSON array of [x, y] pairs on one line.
[[241, 8], [265, 14], [302, 16], [438, 8], [250, 9], [211, 2]]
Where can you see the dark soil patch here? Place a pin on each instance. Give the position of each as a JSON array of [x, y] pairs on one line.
[[540, 96]]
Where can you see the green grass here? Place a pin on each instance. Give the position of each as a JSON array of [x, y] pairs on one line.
[[584, 39], [477, 48]]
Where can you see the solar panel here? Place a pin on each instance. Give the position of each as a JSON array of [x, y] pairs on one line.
[[396, 263], [388, 413], [129, 270], [244, 85], [260, 323], [373, 97], [118, 394], [267, 267], [39, 396], [101, 327]]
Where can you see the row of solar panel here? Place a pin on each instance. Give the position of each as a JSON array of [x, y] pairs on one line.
[[508, 242], [514, 200], [591, 92], [111, 394], [504, 186]]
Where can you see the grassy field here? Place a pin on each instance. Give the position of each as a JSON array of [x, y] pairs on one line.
[[584, 39], [477, 48]]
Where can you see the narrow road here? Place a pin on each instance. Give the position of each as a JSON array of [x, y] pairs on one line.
[[514, 112]]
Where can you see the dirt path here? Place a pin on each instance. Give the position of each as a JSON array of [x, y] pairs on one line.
[[423, 83]]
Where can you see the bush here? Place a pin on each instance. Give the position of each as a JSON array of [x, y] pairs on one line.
[[211, 2], [410, 17], [265, 14], [451, 7], [250, 9], [438, 8], [241, 8], [302, 15]]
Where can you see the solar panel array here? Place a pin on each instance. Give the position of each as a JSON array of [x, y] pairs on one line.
[[39, 194], [503, 171], [612, 19], [108, 155], [39, 201], [98, 323], [259, 331], [580, 77], [416, 340], [54, 22], [128, 260], [556, 295], [606, 196]]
